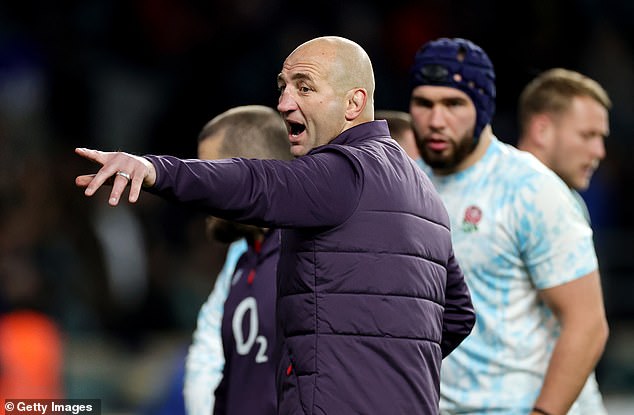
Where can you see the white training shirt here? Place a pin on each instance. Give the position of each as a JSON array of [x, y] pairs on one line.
[[516, 228], [205, 359]]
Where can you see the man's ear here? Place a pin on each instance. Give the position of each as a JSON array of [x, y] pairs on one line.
[[357, 99], [542, 129]]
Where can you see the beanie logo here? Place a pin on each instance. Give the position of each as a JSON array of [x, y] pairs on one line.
[[434, 73], [472, 217]]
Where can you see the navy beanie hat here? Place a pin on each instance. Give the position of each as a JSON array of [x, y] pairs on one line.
[[460, 64]]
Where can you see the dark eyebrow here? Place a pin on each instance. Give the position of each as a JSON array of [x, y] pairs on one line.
[[460, 100]]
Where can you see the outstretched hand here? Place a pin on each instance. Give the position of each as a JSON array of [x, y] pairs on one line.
[[123, 168]]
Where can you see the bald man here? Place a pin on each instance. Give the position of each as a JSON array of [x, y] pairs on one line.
[[370, 295]]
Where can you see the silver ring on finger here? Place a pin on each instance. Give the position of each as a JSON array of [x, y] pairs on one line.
[[124, 175]]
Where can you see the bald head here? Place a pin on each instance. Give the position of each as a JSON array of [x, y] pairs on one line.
[[326, 87], [349, 65]]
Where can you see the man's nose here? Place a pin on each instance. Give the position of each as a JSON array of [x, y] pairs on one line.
[[286, 102], [599, 149], [437, 116]]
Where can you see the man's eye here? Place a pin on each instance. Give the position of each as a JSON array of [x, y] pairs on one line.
[[420, 102], [304, 89]]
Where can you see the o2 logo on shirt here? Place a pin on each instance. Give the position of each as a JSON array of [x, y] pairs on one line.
[[244, 344]]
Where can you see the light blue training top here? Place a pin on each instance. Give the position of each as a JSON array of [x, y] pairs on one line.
[[516, 229]]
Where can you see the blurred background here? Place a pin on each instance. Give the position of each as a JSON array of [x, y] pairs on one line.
[[105, 300]]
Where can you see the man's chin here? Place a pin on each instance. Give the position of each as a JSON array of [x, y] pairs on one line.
[[298, 150], [437, 161], [581, 185], [449, 159]]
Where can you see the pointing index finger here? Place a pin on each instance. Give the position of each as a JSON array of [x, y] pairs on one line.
[[89, 154]]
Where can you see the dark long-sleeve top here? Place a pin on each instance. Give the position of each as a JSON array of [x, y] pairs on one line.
[[248, 333]]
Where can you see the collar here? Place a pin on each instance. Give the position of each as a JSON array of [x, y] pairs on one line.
[[361, 132]]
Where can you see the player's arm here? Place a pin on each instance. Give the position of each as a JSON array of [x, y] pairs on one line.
[[578, 305], [267, 193], [270, 193]]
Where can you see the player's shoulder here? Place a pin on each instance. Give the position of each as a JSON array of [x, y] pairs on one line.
[[519, 160], [523, 168]]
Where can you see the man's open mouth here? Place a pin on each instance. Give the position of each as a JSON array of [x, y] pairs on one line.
[[296, 128]]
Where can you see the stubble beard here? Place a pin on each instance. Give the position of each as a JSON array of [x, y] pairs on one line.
[[449, 159]]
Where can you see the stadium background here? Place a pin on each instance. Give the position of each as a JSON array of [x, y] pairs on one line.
[[124, 285]]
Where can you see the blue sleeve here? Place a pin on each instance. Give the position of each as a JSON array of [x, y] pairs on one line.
[[205, 359], [321, 189]]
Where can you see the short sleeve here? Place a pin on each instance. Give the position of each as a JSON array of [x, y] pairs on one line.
[[555, 239]]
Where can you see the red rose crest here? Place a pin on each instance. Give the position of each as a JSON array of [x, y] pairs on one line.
[[472, 217]]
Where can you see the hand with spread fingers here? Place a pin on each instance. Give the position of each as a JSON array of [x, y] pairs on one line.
[[122, 168]]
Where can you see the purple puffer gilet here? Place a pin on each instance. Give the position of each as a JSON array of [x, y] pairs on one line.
[[361, 304], [370, 296]]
